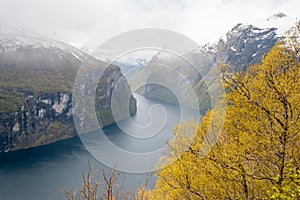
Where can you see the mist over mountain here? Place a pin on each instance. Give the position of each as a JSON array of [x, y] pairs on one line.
[[277, 16], [36, 85]]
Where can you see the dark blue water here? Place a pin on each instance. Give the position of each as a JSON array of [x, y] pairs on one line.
[[42, 172]]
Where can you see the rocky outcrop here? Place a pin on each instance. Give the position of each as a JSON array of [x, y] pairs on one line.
[[42, 119], [36, 87], [244, 45]]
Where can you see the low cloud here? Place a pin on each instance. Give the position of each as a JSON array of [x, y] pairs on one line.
[[91, 22]]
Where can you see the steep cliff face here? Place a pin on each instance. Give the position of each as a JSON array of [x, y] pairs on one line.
[[41, 119], [243, 46], [36, 84]]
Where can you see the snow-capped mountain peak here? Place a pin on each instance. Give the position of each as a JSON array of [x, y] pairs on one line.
[[245, 30], [14, 38], [277, 16]]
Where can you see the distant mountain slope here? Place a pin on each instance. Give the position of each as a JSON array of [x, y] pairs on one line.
[[243, 46], [36, 82], [25, 55]]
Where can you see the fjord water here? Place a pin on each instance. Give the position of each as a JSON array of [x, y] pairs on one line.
[[42, 172]]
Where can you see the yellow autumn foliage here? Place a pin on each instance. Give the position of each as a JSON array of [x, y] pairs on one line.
[[256, 153]]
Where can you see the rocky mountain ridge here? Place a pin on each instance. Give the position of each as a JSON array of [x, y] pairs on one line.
[[243, 46]]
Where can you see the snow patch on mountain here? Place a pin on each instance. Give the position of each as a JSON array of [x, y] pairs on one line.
[[281, 21], [14, 38]]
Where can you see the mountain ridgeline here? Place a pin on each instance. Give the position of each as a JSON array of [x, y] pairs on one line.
[[243, 46], [36, 85]]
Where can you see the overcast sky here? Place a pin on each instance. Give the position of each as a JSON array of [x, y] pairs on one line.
[[90, 22]]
